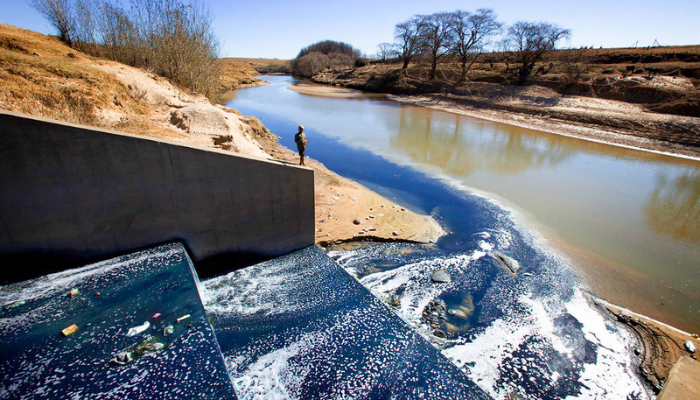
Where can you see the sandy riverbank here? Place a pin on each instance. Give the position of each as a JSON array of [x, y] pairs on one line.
[[573, 116], [605, 121], [340, 203], [326, 91]]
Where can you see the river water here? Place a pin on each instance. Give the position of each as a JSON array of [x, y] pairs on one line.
[[627, 221], [578, 216]]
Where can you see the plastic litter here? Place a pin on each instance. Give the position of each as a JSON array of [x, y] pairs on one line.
[[123, 358], [151, 344], [154, 346], [169, 330], [184, 317], [70, 330], [17, 304], [97, 293], [138, 329], [156, 315], [74, 292]]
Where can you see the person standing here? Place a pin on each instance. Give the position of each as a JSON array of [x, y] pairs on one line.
[[300, 139]]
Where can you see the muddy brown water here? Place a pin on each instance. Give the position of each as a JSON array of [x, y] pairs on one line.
[[627, 221]]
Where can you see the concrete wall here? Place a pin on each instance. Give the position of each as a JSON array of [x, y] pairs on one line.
[[71, 194]]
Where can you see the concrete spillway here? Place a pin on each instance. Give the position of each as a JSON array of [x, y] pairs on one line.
[[300, 326], [150, 290], [294, 327]]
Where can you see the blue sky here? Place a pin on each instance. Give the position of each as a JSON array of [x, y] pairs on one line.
[[279, 29]]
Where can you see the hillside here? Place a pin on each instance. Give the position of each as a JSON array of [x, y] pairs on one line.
[[647, 98], [41, 76]]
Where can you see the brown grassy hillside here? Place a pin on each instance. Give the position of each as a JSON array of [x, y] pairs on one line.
[[664, 79], [42, 76]]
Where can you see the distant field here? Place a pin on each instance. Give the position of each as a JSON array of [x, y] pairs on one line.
[[258, 65]]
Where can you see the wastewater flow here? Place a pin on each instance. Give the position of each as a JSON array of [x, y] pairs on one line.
[[532, 333]]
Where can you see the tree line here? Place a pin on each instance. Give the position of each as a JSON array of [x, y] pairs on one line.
[[172, 38], [458, 35], [465, 35]]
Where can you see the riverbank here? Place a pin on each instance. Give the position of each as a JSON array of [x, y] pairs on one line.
[[70, 86], [660, 346], [347, 211], [533, 107]]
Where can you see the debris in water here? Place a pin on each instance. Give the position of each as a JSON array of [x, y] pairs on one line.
[[138, 329], [168, 330], [184, 317], [73, 292], [122, 358], [70, 330], [156, 315], [17, 304]]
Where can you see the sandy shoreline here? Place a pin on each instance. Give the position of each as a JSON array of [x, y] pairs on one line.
[[340, 203], [326, 91], [598, 134]]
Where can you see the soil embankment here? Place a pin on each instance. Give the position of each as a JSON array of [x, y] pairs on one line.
[[647, 99], [42, 76]]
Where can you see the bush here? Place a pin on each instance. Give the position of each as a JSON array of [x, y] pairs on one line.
[[310, 64], [172, 38], [326, 54]]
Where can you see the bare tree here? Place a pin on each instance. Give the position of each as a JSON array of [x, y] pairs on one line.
[[59, 13], [574, 65], [384, 50], [435, 37], [531, 41], [470, 33], [407, 36]]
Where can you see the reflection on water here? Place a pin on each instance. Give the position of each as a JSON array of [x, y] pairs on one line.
[[461, 148], [614, 212], [674, 207]]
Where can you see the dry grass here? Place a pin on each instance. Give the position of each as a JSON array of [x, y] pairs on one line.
[[235, 73], [41, 76]]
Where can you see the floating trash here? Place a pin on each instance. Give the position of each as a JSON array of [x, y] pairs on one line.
[[73, 292], [156, 315], [122, 358], [16, 304], [138, 329], [169, 330], [184, 317], [70, 330]]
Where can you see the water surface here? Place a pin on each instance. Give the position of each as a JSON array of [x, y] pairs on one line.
[[627, 221]]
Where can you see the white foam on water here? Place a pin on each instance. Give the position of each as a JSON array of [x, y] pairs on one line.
[[256, 290], [610, 377], [59, 282], [414, 280], [271, 377]]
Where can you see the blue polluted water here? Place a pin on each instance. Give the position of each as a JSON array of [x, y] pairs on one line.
[[299, 327], [535, 334], [155, 286]]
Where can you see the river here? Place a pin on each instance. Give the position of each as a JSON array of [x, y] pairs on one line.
[[627, 221], [578, 216]]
